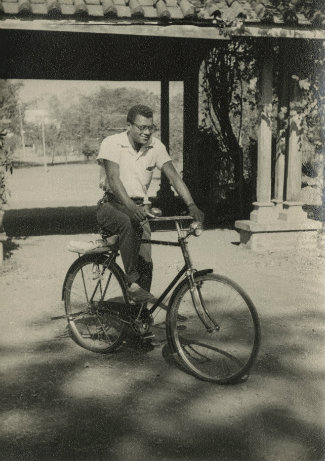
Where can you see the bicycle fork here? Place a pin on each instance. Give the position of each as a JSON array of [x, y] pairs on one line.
[[195, 289]]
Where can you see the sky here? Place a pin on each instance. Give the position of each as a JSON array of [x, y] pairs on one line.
[[34, 88]]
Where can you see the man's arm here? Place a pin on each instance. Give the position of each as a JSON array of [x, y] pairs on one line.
[[113, 176], [181, 188]]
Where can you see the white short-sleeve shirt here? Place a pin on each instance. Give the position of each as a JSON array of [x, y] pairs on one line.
[[136, 168]]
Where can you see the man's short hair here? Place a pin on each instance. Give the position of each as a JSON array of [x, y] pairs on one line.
[[139, 109]]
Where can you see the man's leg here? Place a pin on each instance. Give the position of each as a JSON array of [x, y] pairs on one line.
[[117, 222], [145, 266]]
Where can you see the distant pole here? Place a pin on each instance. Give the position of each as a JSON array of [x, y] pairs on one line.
[[21, 130], [44, 149]]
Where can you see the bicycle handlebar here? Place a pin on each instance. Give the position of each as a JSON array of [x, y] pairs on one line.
[[155, 215], [169, 218]]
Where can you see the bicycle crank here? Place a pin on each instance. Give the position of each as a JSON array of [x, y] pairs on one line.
[[142, 322]]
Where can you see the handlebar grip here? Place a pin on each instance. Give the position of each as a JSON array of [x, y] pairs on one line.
[[154, 213]]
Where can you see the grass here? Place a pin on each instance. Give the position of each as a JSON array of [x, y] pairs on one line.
[[70, 185]]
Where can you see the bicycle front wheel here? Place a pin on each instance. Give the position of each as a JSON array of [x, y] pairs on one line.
[[94, 297], [217, 339]]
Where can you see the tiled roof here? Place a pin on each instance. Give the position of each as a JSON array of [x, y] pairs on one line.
[[279, 12]]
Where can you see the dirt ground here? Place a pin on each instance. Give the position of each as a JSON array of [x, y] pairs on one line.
[[61, 402]]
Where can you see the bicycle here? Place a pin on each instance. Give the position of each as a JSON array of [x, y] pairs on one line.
[[212, 325]]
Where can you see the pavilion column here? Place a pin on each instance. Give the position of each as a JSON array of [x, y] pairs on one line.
[[281, 224], [191, 123], [165, 195], [282, 125], [263, 208], [292, 207]]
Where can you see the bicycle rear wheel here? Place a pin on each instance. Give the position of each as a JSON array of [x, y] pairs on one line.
[[94, 297], [219, 339]]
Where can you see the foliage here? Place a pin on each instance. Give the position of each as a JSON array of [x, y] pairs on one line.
[[176, 129], [88, 152], [229, 115], [307, 81], [5, 164], [230, 108], [312, 105], [9, 129], [80, 123], [95, 116]]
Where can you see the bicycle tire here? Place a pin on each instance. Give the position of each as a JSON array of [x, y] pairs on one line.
[[218, 344], [93, 297]]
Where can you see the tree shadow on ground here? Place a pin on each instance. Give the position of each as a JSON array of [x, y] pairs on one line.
[[49, 221], [61, 402], [9, 246], [72, 220]]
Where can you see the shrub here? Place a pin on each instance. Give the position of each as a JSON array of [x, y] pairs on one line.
[[5, 166]]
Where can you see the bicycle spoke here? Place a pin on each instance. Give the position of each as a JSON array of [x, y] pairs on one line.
[[90, 294], [219, 339]]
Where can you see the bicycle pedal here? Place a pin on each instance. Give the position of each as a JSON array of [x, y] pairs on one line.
[[147, 336], [150, 340]]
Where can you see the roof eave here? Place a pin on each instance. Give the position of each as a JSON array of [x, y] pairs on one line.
[[188, 31]]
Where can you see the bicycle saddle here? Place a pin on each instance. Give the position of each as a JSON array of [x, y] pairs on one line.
[[95, 246]]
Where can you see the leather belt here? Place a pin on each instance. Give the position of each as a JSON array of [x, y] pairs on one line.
[[109, 197]]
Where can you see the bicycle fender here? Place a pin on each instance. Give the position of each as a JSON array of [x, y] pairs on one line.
[[71, 269], [100, 257], [180, 285]]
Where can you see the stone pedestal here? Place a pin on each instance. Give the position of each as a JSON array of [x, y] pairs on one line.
[[292, 212], [278, 207], [279, 234], [278, 226], [276, 238], [263, 213]]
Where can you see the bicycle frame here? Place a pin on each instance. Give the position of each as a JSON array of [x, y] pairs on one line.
[[188, 270]]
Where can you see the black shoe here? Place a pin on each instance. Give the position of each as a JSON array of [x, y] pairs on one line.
[[137, 294]]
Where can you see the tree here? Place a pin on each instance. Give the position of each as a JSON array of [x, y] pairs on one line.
[[229, 101], [230, 112], [90, 118], [9, 132]]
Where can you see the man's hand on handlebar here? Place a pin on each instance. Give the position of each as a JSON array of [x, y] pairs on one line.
[[138, 212], [196, 213]]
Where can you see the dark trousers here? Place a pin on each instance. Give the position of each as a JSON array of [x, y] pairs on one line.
[[114, 218]]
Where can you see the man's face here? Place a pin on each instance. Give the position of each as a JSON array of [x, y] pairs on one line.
[[137, 130]]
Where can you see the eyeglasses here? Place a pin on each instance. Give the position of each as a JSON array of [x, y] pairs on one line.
[[142, 128]]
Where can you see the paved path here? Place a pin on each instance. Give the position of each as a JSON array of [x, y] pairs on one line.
[[61, 402]]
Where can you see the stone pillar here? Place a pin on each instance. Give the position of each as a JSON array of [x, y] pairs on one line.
[[263, 208], [282, 129], [284, 225], [292, 207]]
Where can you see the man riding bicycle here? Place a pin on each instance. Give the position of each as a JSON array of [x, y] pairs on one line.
[[127, 161]]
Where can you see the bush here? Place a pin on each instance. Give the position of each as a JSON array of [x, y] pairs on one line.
[[88, 152], [5, 166]]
